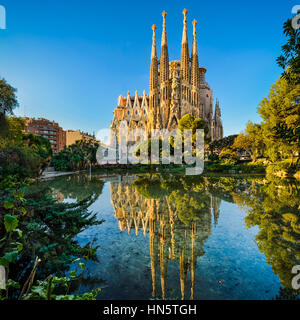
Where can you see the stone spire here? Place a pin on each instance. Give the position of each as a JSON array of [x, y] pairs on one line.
[[154, 63], [184, 35], [218, 127], [164, 33], [217, 110], [153, 86], [164, 61], [185, 59], [164, 74], [195, 62]]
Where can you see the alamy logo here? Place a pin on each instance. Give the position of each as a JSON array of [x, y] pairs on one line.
[[2, 17], [296, 279], [187, 146], [2, 278], [296, 19]]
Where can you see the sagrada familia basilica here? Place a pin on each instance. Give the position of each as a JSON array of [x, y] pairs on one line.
[[176, 88]]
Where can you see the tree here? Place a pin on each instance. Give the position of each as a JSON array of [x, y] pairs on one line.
[[276, 212], [77, 156], [289, 60], [11, 131], [41, 146], [215, 147], [189, 122], [22, 154], [8, 99], [228, 157], [187, 195], [251, 141], [281, 109], [143, 150]]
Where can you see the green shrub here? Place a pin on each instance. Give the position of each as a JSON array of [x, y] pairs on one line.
[[77, 156], [24, 155], [281, 169], [252, 168], [228, 157], [215, 168], [20, 161], [229, 161]]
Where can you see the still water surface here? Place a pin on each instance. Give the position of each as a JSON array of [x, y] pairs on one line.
[[177, 237]]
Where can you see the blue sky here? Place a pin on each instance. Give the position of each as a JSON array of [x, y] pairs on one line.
[[70, 60]]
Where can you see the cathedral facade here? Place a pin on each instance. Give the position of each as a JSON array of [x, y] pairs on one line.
[[176, 88]]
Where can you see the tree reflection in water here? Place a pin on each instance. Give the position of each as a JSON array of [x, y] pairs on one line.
[[75, 187], [177, 212], [274, 206]]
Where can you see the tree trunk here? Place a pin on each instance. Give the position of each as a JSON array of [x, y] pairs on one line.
[[292, 159], [253, 156]]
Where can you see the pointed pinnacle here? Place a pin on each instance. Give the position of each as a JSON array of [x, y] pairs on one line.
[[184, 13], [194, 25], [164, 14], [154, 27]]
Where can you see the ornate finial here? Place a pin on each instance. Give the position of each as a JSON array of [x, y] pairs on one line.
[[164, 32], [128, 93], [154, 27], [164, 14], [184, 35], [153, 51], [144, 92], [194, 25], [184, 13], [136, 92]]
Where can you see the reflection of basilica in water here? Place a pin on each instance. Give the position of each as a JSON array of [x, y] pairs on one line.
[[177, 213], [170, 238]]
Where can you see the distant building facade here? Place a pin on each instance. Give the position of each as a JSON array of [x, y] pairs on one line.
[[55, 134], [75, 135], [176, 88], [50, 130]]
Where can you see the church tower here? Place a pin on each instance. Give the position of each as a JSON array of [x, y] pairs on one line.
[[176, 88], [218, 122], [164, 75], [185, 62], [153, 86], [195, 73]]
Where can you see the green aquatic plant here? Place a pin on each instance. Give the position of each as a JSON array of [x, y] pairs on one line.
[[35, 225]]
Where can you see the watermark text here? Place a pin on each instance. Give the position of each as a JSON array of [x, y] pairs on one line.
[[2, 17]]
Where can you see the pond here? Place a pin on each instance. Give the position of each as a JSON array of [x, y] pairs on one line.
[[183, 237]]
